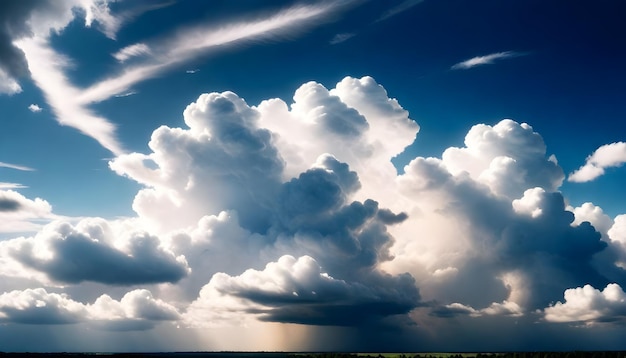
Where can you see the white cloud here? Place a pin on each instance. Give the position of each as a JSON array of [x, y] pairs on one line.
[[508, 157], [19, 214], [8, 85], [339, 38], [593, 214], [34, 108], [191, 42], [296, 290], [485, 60], [47, 70], [107, 255], [137, 310], [589, 305], [136, 50], [6, 186], [16, 167], [505, 308], [70, 104], [403, 6], [606, 156], [37, 306]]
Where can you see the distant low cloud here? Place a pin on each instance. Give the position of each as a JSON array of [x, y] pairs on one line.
[[403, 6], [297, 291], [20, 214], [34, 108], [137, 310], [191, 72], [485, 60], [589, 305], [139, 261], [606, 156]]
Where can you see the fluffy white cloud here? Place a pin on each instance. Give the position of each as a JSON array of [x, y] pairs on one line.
[[508, 157], [593, 214], [34, 108], [37, 306], [589, 305], [20, 214], [607, 156], [488, 216], [93, 251], [137, 310]]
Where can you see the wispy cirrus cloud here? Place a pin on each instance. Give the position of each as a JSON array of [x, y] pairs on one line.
[[404, 6], [485, 60], [339, 38], [131, 51], [7, 186], [195, 41], [47, 69], [16, 167], [70, 104]]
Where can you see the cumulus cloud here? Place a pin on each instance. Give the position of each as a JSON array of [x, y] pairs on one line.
[[493, 231], [137, 310], [504, 308], [508, 157], [294, 213], [485, 60], [502, 231], [20, 214], [230, 145], [607, 156], [589, 305], [90, 251], [297, 291], [37, 306], [34, 108]]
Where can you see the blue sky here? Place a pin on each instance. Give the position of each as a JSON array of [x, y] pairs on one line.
[[360, 175]]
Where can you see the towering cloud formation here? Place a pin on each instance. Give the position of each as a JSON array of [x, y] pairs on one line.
[[293, 213]]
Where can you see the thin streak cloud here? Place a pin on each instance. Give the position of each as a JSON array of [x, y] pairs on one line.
[[485, 60], [16, 167], [196, 41], [402, 7], [47, 70]]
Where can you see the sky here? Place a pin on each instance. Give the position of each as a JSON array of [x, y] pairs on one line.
[[407, 175]]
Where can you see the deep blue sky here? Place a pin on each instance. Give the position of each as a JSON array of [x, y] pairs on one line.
[[555, 65]]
